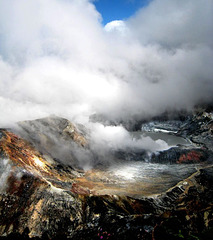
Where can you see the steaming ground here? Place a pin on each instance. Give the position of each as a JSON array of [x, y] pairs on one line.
[[57, 58], [87, 147]]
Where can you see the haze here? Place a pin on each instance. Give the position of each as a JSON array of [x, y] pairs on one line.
[[56, 58]]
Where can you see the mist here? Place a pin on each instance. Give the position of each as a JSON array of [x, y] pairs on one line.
[[57, 58]]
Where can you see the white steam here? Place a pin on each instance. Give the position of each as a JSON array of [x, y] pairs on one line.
[[56, 58], [118, 138]]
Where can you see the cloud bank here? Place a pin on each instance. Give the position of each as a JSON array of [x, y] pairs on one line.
[[56, 58]]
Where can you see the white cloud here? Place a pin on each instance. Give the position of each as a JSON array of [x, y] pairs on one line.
[[116, 26], [174, 23], [57, 59]]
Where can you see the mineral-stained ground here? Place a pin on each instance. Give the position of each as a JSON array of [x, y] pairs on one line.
[[42, 198]]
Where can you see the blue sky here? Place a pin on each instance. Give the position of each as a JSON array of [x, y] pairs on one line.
[[118, 9]]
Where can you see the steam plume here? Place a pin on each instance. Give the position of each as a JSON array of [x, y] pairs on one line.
[[56, 58]]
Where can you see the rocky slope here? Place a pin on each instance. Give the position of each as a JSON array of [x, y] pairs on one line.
[[199, 128], [41, 198]]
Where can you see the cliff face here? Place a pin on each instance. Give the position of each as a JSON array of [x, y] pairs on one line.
[[41, 198], [31, 187], [199, 128]]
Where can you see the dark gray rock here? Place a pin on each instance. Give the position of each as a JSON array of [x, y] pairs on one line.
[[199, 128], [181, 155], [39, 199]]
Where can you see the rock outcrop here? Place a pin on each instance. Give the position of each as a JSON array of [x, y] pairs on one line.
[[41, 198], [182, 155], [199, 128]]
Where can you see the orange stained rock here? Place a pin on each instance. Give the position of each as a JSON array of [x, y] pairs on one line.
[[191, 156], [25, 155]]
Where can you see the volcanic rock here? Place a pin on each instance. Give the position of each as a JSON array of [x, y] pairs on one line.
[[41, 198], [182, 155], [56, 138], [199, 128]]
